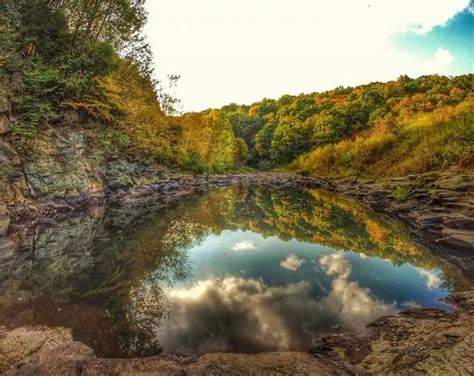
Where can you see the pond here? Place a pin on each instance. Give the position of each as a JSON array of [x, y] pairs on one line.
[[237, 269]]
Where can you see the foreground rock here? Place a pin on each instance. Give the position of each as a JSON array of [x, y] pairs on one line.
[[23, 342], [416, 342], [44, 351]]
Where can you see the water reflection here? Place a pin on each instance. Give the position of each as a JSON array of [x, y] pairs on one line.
[[236, 269], [248, 293], [239, 314]]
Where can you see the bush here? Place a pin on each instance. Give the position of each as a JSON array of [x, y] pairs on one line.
[[110, 138], [402, 192], [37, 102], [195, 164], [429, 141]]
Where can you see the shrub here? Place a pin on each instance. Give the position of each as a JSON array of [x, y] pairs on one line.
[[195, 164], [402, 192], [36, 103], [429, 141]]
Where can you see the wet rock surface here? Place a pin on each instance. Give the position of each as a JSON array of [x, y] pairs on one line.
[[417, 341]]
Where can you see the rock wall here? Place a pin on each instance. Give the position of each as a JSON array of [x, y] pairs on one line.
[[62, 170]]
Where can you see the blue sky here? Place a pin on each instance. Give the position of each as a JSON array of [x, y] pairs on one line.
[[244, 50], [456, 36]]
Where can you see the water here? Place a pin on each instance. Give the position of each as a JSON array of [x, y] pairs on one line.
[[239, 269]]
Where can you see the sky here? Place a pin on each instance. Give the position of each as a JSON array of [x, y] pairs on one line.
[[241, 51]]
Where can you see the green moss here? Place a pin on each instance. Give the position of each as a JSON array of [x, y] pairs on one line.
[[402, 192]]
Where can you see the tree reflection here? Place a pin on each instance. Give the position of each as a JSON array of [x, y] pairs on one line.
[[311, 216]]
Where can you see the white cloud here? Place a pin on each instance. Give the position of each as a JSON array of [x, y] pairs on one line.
[[292, 263], [336, 263], [233, 314], [240, 51], [433, 279], [442, 58], [354, 304], [244, 245], [410, 305]]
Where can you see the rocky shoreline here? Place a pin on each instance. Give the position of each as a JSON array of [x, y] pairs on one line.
[[416, 341]]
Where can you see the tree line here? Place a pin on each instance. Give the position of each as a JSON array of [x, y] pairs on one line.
[[369, 129]]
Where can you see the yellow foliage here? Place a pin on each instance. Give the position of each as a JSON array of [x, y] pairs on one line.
[[105, 101], [422, 142], [376, 231]]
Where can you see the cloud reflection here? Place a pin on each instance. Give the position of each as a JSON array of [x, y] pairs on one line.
[[433, 280], [247, 315], [353, 304], [292, 263], [244, 245]]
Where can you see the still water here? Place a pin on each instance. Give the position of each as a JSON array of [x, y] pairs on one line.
[[241, 269]]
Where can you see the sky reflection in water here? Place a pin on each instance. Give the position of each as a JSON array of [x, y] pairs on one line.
[[249, 293]]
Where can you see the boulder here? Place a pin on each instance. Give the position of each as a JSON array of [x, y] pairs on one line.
[[23, 342]]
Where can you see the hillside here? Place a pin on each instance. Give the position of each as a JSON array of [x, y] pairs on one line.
[[379, 129], [66, 63]]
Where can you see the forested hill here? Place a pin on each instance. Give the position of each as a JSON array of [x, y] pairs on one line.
[[397, 127], [85, 63]]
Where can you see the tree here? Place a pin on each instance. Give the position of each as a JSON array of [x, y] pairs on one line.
[[263, 139], [290, 139]]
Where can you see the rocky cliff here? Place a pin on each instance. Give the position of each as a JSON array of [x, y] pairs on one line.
[[62, 169]]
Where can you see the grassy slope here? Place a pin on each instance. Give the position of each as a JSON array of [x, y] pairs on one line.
[[430, 141]]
